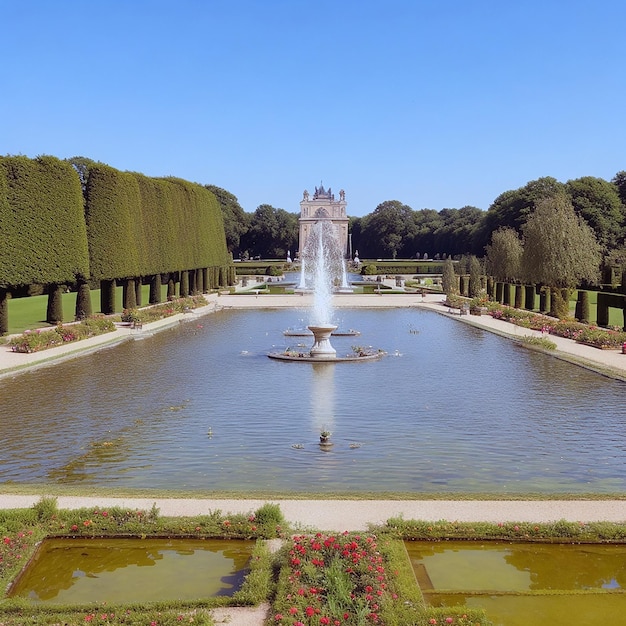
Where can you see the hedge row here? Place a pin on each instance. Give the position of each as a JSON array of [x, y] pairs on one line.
[[66, 222], [156, 226], [42, 224]]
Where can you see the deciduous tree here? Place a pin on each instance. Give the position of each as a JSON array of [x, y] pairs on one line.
[[560, 249], [504, 254]]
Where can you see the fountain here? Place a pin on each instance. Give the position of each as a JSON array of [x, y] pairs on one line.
[[323, 273]]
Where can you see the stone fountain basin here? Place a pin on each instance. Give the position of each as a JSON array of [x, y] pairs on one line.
[[307, 358]]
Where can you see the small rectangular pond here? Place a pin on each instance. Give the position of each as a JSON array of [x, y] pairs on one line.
[[76, 571], [525, 583]]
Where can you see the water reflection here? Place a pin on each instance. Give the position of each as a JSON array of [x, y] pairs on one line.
[[459, 410], [519, 567], [137, 570], [323, 396], [524, 583]]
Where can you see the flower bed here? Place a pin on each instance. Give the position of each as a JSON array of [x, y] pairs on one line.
[[353, 580], [603, 338], [21, 530], [36, 340], [161, 311]]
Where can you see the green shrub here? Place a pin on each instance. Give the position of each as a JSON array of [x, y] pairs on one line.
[[582, 307], [539, 342], [46, 508], [369, 270], [269, 515]]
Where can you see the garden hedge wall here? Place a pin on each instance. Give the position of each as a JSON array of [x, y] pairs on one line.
[[154, 225], [113, 223], [64, 222], [42, 223]]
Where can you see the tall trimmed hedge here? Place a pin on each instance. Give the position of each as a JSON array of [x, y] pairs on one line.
[[113, 223], [42, 224], [63, 225], [141, 226], [42, 229]]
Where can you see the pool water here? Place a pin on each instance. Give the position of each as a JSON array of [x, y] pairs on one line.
[[79, 571], [525, 583], [200, 406]]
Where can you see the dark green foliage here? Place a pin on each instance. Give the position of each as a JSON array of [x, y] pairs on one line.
[[491, 287], [559, 303], [184, 284], [41, 221], [171, 289], [598, 202], [582, 307], [200, 281], [499, 292], [529, 297], [83, 301], [519, 296], [155, 289], [54, 312], [138, 285], [544, 300], [475, 277], [506, 295], [193, 287], [129, 295], [155, 225], [4, 311], [236, 221], [448, 279], [464, 285], [107, 296], [605, 301], [111, 214]]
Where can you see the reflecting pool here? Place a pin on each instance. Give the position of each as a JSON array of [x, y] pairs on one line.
[[200, 407], [528, 583], [78, 571]]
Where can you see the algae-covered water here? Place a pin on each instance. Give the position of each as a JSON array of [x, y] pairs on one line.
[[79, 571], [525, 583]]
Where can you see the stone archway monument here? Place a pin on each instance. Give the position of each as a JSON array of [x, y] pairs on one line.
[[323, 206]]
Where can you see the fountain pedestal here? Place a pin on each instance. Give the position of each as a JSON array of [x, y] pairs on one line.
[[321, 347]]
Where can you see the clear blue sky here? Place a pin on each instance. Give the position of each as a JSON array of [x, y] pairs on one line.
[[436, 103]]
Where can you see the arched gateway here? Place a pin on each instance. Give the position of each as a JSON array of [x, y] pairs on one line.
[[323, 206]]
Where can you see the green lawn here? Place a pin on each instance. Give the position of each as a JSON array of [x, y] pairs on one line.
[[29, 313]]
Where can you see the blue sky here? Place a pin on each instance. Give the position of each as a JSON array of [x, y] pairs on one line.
[[436, 103]]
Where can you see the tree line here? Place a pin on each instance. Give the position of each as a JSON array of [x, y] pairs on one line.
[[394, 229], [82, 224]]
